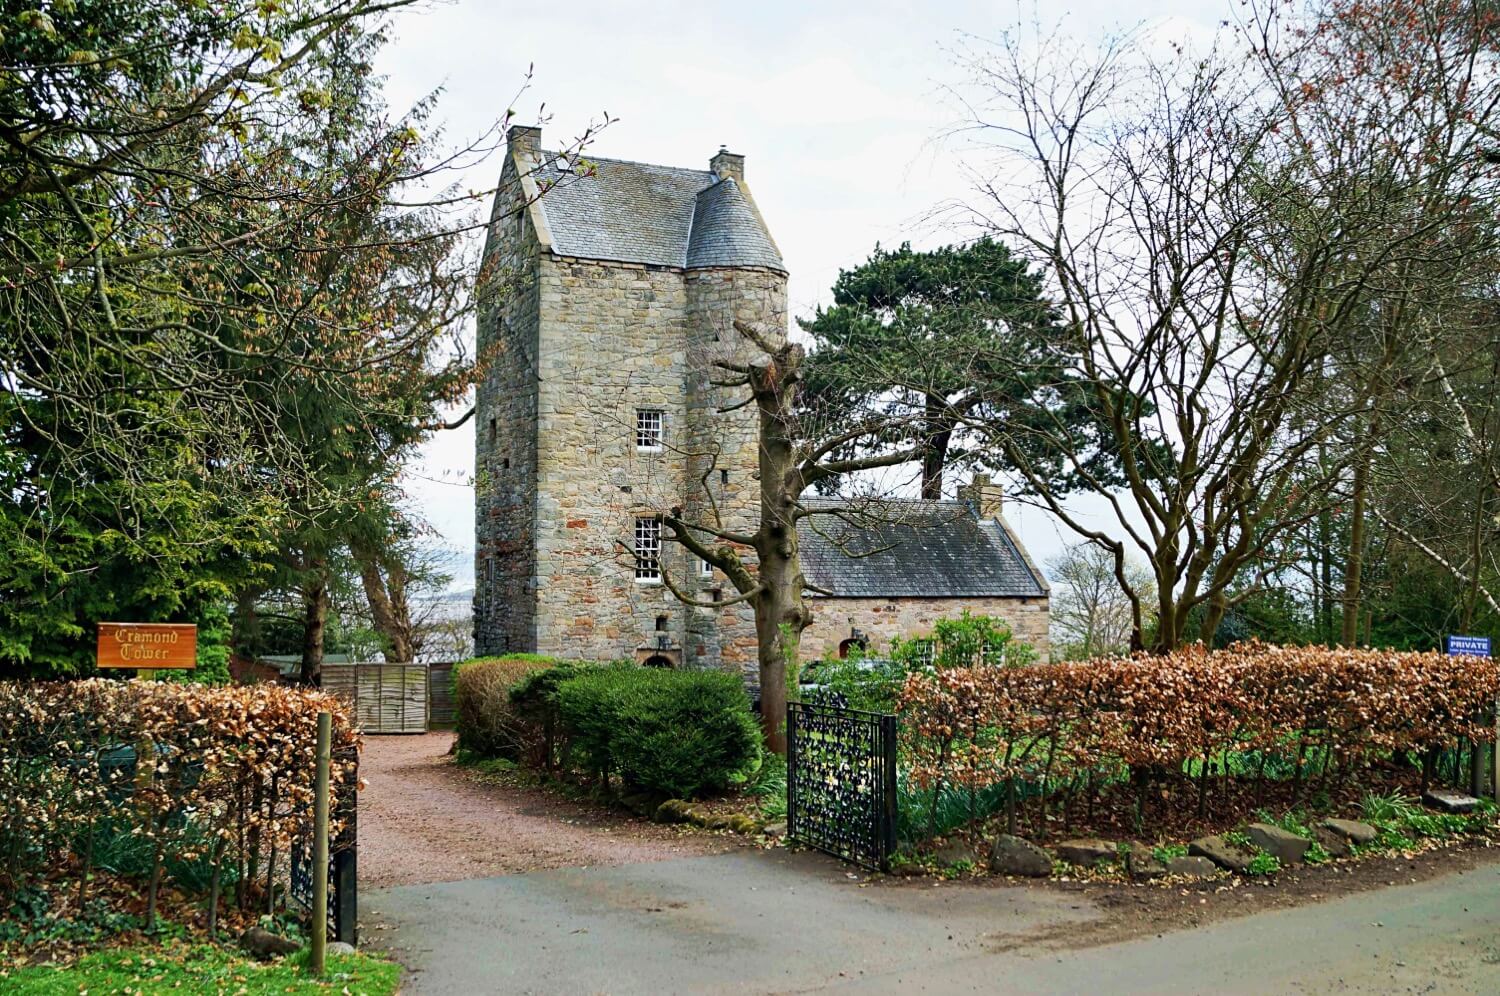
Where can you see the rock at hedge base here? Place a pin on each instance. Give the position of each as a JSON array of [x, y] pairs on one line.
[[340, 948], [775, 830], [1087, 851], [1353, 831], [957, 852], [1191, 866], [1141, 864], [673, 811], [263, 944], [1285, 846], [1222, 853], [1336, 845], [1450, 801], [1011, 855]]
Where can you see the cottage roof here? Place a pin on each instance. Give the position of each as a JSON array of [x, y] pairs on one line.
[[660, 215], [912, 549]]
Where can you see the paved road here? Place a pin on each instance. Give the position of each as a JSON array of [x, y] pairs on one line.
[[763, 922]]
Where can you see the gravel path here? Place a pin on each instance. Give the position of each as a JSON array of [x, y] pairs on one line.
[[422, 819]]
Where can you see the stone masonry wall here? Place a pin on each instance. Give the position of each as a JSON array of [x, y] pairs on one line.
[[883, 619], [723, 487], [505, 463]]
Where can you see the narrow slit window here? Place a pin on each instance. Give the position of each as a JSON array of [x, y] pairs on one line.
[[723, 477], [648, 550], [649, 424]]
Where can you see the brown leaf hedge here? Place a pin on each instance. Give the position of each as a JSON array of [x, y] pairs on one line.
[[982, 725], [224, 775]]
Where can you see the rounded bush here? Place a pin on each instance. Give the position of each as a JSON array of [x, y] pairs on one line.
[[677, 733]]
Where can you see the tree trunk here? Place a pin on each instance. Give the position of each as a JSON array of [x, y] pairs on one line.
[[383, 612], [937, 437], [781, 614], [315, 604], [1354, 565]]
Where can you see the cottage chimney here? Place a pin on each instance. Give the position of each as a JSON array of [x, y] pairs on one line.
[[728, 166], [524, 140], [985, 497]]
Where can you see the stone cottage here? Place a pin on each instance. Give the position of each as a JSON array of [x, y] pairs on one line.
[[609, 290]]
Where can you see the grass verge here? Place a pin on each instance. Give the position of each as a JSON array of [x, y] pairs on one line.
[[200, 968]]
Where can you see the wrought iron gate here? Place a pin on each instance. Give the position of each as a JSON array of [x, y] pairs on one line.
[[343, 858], [841, 781]]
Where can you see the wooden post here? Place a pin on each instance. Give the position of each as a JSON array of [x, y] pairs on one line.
[[1495, 756], [320, 849]]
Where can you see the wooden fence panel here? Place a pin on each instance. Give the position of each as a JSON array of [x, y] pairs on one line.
[[387, 698]]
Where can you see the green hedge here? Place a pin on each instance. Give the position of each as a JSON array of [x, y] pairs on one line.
[[678, 733], [487, 724]]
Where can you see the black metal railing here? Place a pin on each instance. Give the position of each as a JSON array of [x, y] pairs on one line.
[[841, 781], [343, 858]]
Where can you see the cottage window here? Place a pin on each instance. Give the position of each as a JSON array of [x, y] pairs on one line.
[[648, 550], [648, 429], [923, 650]]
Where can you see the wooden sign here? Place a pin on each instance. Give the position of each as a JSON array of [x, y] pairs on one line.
[[148, 645]]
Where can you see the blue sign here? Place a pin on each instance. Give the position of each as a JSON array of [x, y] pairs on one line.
[[1468, 646]]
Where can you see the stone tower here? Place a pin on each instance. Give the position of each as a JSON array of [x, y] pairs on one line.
[[609, 290]]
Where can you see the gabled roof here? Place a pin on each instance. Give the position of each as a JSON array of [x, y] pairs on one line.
[[660, 215], [912, 549]]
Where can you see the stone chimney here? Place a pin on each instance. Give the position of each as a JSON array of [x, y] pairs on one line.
[[987, 499], [525, 140], [728, 166]]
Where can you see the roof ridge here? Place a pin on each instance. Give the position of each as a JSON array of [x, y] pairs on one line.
[[707, 173]]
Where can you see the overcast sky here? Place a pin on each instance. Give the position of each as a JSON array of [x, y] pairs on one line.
[[839, 109]]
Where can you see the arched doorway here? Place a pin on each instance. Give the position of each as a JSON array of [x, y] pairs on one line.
[[657, 660]]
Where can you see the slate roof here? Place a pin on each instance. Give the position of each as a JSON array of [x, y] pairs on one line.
[[662, 215], [914, 548]]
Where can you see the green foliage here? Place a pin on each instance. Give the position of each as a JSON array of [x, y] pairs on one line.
[[959, 330], [1165, 852], [1264, 864], [1403, 819], [870, 685], [968, 641], [204, 968], [674, 732], [488, 724]]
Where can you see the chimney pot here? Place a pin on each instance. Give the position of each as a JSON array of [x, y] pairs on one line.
[[728, 166]]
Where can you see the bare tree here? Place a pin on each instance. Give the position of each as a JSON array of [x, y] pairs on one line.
[[1090, 613], [795, 454], [1214, 228]]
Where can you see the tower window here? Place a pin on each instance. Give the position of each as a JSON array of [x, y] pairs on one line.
[[648, 429], [648, 550], [494, 431], [705, 569], [723, 477], [661, 624]]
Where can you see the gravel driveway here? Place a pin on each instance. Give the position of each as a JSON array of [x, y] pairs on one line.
[[422, 819]]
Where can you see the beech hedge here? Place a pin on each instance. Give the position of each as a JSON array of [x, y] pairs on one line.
[[976, 726], [219, 776]]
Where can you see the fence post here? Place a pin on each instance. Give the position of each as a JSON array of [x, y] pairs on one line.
[[345, 862], [791, 770], [320, 848], [888, 790]]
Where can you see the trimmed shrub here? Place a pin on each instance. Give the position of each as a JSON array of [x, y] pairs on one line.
[[677, 733], [487, 723], [976, 726], [194, 780]]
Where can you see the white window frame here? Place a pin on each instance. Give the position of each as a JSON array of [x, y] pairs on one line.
[[650, 430], [705, 569], [647, 549]]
